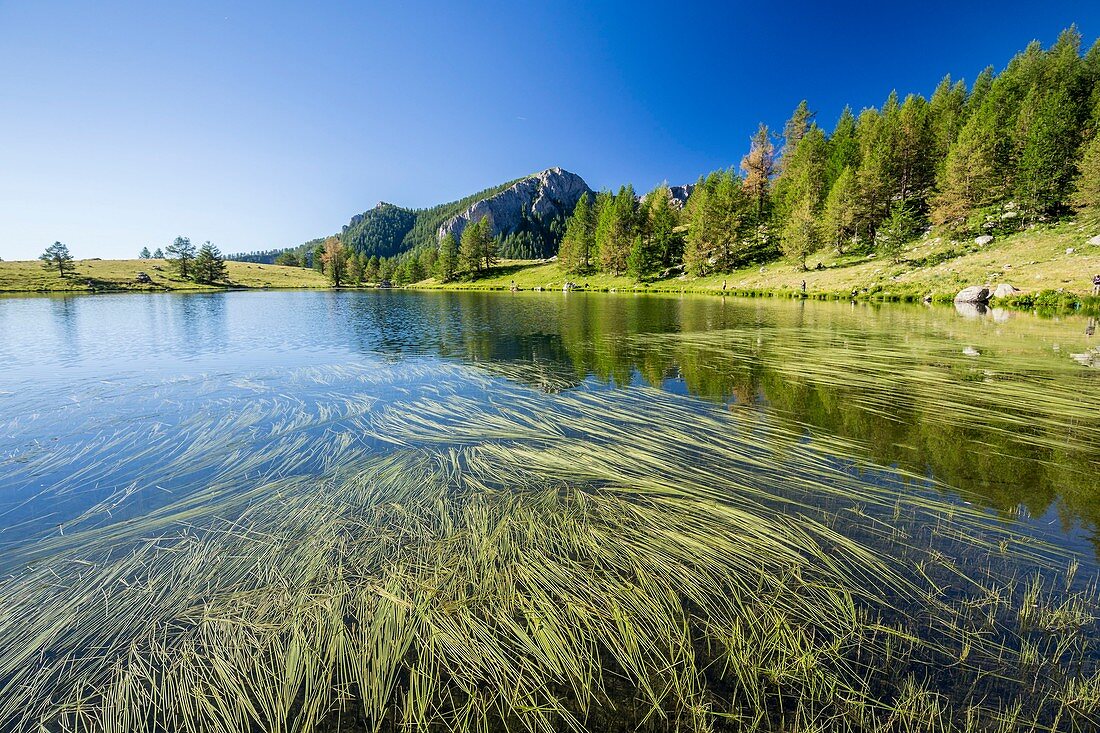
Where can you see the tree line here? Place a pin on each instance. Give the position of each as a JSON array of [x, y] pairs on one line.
[[1011, 149]]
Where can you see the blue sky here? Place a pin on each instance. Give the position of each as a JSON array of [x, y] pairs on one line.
[[258, 125]]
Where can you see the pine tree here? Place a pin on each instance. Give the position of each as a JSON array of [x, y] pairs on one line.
[[158, 254], [703, 216], [913, 165], [1048, 127], [1086, 194], [57, 257], [373, 271], [639, 264], [288, 259], [144, 254], [793, 131], [620, 232], [209, 265], [843, 147], [800, 234], [874, 180], [477, 250], [182, 254], [898, 228], [447, 263], [355, 269], [838, 221], [947, 113], [663, 220], [575, 251], [804, 175]]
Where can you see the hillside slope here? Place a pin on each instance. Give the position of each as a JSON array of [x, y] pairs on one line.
[[1049, 258]]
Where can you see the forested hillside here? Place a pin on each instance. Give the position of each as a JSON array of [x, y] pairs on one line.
[[999, 154], [1007, 151], [384, 231]]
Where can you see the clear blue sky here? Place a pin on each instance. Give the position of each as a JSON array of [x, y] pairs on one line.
[[258, 125]]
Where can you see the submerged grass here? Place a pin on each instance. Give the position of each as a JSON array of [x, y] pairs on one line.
[[591, 560]]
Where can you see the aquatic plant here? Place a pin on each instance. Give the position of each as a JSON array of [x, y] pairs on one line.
[[589, 560]]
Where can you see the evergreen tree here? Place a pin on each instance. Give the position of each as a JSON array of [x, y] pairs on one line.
[[1048, 128], [317, 257], [1086, 195], [334, 258], [57, 257], [793, 131], [898, 229], [478, 248], [873, 177], [144, 254], [577, 244], [639, 263], [843, 147], [759, 165], [666, 245], [182, 253], [969, 178], [913, 164], [356, 263], [426, 261], [373, 271], [209, 266], [288, 259], [615, 231], [947, 113], [800, 235], [838, 223], [447, 263], [804, 175], [158, 254]]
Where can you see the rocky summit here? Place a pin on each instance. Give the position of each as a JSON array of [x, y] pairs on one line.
[[544, 196]]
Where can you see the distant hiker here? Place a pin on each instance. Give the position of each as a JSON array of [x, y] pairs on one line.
[[723, 285], [1096, 284], [513, 286], [803, 286]]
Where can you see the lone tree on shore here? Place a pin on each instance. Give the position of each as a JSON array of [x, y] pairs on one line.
[[335, 259], [57, 256], [209, 266], [182, 253]]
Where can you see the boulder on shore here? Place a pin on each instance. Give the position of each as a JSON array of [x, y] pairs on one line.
[[983, 240], [973, 294], [1004, 290]]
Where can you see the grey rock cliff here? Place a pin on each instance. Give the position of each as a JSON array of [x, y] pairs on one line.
[[677, 195], [553, 192]]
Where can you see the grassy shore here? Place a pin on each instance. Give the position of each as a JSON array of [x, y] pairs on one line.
[[120, 275], [1050, 265], [1033, 261]]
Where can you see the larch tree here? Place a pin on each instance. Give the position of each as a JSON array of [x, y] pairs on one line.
[[800, 236], [334, 256], [759, 167], [838, 217]]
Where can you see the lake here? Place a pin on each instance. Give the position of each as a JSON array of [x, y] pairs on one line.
[[545, 511]]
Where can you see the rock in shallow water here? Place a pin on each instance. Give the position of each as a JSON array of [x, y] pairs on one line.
[[973, 294]]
